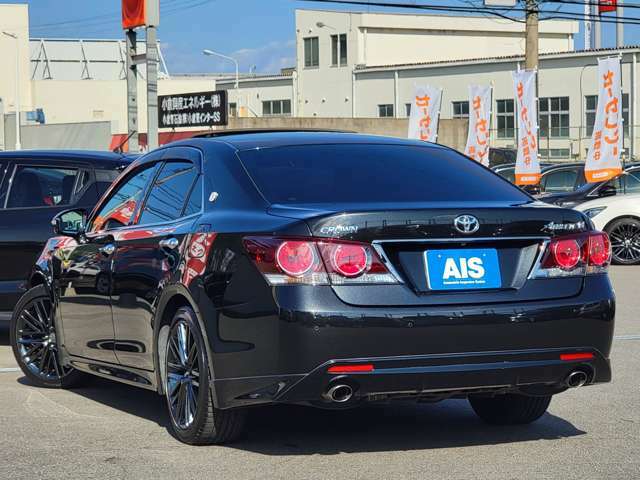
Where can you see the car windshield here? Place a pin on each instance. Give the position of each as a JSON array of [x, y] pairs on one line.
[[357, 173]]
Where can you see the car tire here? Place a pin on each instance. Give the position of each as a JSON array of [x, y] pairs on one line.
[[620, 231], [187, 385], [509, 409], [34, 343]]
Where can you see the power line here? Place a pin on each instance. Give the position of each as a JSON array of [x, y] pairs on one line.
[[560, 15]]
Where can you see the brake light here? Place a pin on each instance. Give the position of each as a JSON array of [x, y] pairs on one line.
[[349, 260], [572, 357], [575, 255], [565, 253], [304, 261], [296, 258], [599, 249], [358, 368]]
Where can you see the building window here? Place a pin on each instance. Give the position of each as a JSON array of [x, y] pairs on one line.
[[339, 50], [506, 118], [554, 117], [385, 110], [555, 153], [311, 52], [460, 109], [276, 108], [233, 109], [407, 109], [591, 105]]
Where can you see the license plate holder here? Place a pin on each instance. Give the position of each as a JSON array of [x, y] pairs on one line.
[[463, 269]]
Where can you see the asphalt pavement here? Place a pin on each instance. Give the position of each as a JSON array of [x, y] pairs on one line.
[[107, 430]]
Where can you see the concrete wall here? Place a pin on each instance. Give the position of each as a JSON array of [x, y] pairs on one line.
[[91, 136], [452, 133]]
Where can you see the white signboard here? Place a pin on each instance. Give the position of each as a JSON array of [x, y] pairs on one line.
[[425, 113], [603, 157], [500, 3], [479, 124], [527, 164]]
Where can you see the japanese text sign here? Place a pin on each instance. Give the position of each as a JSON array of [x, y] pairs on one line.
[[202, 109], [603, 157], [527, 163], [479, 124], [425, 112]]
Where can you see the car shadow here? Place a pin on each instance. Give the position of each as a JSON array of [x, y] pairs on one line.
[[4, 333], [298, 430]]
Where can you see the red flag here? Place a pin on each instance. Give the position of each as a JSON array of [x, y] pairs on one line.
[[134, 13], [607, 6]]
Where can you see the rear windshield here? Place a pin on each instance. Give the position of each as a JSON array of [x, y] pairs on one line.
[[356, 173]]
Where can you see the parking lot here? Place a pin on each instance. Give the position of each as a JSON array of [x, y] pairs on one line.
[[108, 430]]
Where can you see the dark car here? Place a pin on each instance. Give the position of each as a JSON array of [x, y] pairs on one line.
[[628, 182], [35, 186], [324, 269], [508, 170]]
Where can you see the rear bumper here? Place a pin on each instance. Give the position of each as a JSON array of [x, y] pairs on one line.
[[285, 355], [429, 376]]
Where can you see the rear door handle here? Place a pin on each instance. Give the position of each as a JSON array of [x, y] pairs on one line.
[[108, 249], [169, 243]]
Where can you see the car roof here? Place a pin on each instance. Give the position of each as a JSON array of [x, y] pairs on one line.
[[98, 159], [607, 201], [252, 140]]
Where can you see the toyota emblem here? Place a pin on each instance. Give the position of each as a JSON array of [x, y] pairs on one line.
[[466, 224]]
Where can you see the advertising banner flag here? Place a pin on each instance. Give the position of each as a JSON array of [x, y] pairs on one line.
[[479, 124], [527, 164], [425, 113], [603, 157]]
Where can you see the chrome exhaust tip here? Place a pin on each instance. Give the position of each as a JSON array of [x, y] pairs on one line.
[[576, 379], [339, 393]]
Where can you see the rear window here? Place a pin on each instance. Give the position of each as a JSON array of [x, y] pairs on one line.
[[372, 173]]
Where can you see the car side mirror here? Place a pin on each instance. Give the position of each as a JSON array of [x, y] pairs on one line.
[[70, 223], [607, 191], [533, 189]]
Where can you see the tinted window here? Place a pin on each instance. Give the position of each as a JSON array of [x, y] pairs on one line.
[[372, 173], [632, 181], [168, 194], [560, 181], [194, 204], [41, 187], [122, 204]]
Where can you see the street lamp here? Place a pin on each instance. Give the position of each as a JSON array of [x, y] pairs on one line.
[[211, 53], [18, 146]]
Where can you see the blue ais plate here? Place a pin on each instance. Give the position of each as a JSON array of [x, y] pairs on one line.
[[463, 269]]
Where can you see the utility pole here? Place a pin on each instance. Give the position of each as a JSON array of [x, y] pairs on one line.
[[531, 44], [132, 91], [620, 25], [597, 26], [18, 144], [152, 88]]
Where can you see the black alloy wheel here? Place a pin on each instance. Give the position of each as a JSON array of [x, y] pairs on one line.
[[34, 342], [183, 375], [194, 418], [625, 241]]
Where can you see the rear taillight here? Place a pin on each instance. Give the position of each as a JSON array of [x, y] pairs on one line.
[[575, 255], [294, 261]]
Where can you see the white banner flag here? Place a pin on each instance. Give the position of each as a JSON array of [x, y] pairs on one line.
[[479, 124], [425, 112], [603, 157], [527, 163]]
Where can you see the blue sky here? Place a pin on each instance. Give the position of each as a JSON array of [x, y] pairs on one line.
[[257, 32]]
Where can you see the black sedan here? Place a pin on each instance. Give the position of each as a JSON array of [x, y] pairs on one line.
[[627, 182], [327, 269], [35, 186]]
